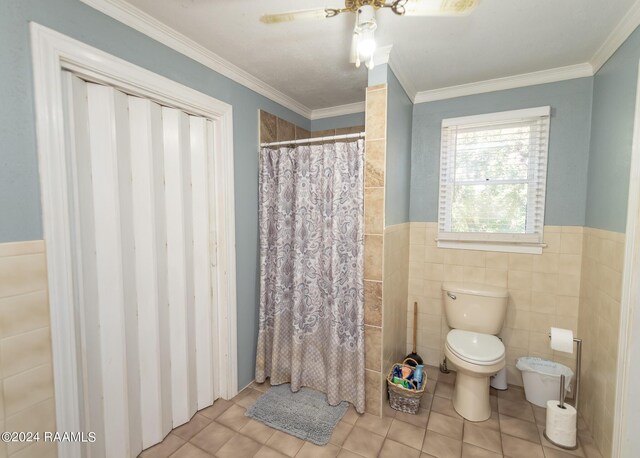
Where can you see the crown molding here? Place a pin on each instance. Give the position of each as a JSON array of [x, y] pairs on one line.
[[617, 37], [404, 80], [137, 19], [382, 54], [340, 110], [510, 82]]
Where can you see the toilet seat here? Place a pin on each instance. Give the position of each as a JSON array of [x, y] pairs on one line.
[[475, 347]]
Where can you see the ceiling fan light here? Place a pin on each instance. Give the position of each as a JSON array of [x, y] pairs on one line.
[[366, 15], [365, 35], [366, 48], [370, 64]]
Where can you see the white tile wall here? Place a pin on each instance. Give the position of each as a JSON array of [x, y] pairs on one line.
[[543, 291], [599, 324], [396, 265], [26, 379]]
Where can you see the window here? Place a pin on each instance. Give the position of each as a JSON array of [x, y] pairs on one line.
[[493, 171]]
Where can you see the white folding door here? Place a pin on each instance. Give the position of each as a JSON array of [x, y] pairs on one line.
[[143, 264]]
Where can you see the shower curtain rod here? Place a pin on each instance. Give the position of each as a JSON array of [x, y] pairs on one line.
[[316, 139]]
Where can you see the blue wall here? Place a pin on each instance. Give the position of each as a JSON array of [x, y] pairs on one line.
[[336, 122], [614, 97], [378, 75], [19, 186], [398, 161], [570, 103]]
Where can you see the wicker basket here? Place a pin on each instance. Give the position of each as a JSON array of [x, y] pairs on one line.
[[401, 398]]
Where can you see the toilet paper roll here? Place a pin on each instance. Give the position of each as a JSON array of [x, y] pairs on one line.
[[561, 424], [562, 340]]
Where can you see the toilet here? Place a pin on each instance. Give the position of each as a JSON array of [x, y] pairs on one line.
[[476, 314]]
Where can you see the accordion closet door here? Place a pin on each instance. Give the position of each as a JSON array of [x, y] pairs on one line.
[[143, 264]]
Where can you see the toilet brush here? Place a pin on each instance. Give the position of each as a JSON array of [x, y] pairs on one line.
[[414, 355]]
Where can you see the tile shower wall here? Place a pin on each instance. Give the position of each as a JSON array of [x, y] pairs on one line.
[[274, 129], [338, 131], [375, 150], [543, 291], [26, 379], [395, 280], [598, 324]]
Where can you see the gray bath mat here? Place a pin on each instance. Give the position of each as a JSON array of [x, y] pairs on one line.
[[305, 414]]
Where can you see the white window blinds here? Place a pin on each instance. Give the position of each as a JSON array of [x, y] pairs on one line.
[[493, 172]]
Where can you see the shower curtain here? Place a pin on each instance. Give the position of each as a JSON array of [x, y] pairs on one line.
[[311, 328]]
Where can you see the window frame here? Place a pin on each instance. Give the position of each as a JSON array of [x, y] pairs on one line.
[[532, 240]]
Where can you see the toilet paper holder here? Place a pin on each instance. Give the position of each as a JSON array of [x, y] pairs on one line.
[[578, 365], [561, 405], [577, 395], [561, 396]]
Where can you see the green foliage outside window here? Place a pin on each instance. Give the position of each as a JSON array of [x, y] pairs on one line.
[[491, 180]]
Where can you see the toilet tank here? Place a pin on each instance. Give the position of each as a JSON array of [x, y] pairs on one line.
[[473, 307]]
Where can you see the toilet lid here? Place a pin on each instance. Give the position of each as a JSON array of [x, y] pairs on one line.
[[475, 347]]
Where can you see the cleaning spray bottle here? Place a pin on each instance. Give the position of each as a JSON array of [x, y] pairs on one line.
[[418, 374]]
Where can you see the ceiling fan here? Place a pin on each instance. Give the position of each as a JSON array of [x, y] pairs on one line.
[[363, 44]]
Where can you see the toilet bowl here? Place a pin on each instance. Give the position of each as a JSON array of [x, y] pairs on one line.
[[476, 313], [475, 357]]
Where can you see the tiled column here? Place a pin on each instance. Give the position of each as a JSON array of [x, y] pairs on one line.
[[375, 149]]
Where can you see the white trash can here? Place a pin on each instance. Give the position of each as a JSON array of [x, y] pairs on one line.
[[541, 379], [499, 381]]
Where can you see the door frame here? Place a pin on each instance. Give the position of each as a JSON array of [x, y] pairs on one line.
[[628, 365], [53, 52]]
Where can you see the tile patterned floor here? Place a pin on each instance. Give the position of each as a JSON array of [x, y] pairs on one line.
[[514, 430]]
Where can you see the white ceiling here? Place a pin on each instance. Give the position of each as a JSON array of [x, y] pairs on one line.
[[309, 61]]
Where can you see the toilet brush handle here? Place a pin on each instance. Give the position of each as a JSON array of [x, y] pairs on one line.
[[415, 327]]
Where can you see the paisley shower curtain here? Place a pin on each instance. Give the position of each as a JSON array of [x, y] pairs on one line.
[[311, 328]]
